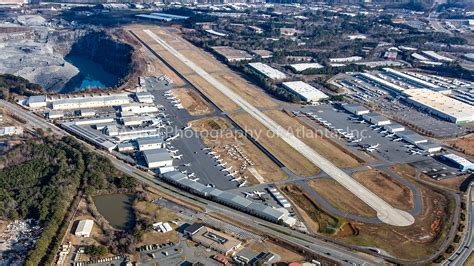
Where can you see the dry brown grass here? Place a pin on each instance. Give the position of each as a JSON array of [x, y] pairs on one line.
[[192, 102], [322, 145], [209, 124], [341, 198], [463, 144], [287, 255], [291, 158], [386, 187]]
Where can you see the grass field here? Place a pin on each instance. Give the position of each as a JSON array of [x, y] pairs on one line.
[[463, 144], [386, 187], [286, 154], [324, 146], [210, 124], [341, 198], [192, 102]]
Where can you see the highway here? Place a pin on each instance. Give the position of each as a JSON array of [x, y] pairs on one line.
[[324, 248], [466, 248], [385, 212]]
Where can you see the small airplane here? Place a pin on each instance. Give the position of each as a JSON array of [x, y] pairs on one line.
[[210, 185], [390, 135], [236, 179], [195, 179], [187, 127], [249, 194], [370, 150], [173, 151], [259, 193], [374, 146], [220, 161], [356, 140], [173, 137], [409, 146], [171, 98], [243, 183], [187, 164], [176, 102], [232, 174], [206, 149], [178, 157], [211, 153], [227, 169], [216, 157], [373, 126], [221, 164], [383, 131], [360, 122], [413, 152], [397, 139], [192, 175]]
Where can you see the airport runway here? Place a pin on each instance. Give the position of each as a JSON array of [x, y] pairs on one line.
[[385, 212]]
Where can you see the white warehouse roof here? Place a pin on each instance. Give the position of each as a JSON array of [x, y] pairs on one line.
[[268, 71], [442, 105], [303, 66], [84, 228], [306, 91]]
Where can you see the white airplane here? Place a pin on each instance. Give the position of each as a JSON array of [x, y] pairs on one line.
[[248, 194], [370, 150], [397, 139], [409, 146], [187, 164], [232, 174], [383, 131], [210, 185], [220, 161], [389, 135], [243, 183], [206, 149], [259, 193], [176, 102], [171, 98], [236, 179], [227, 169], [374, 146], [195, 179], [173, 151], [360, 122], [187, 127], [413, 152], [192, 175], [211, 153], [178, 157], [173, 137], [356, 140], [221, 164], [216, 157]]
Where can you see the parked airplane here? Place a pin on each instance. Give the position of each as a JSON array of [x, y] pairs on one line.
[[374, 146], [227, 169], [173, 137], [216, 157], [178, 157], [243, 183], [206, 149], [187, 164], [210, 185], [219, 161], [211, 153], [390, 135], [173, 151], [248, 194], [259, 193], [397, 139], [383, 131], [413, 152], [192, 175], [221, 164], [195, 179], [370, 150], [360, 122], [187, 127], [236, 179], [356, 140], [232, 174]]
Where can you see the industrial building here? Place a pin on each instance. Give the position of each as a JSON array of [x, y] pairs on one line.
[[136, 108], [125, 147], [411, 79], [304, 66], [462, 163], [307, 92], [135, 120], [345, 59], [87, 133], [144, 97], [279, 198], [356, 109], [429, 147], [37, 101], [376, 119], [86, 113], [436, 56], [412, 137], [157, 158], [84, 228], [151, 143], [55, 114], [89, 101], [441, 105], [231, 54], [268, 71]]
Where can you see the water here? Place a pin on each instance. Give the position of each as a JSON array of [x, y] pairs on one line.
[[117, 209], [91, 75]]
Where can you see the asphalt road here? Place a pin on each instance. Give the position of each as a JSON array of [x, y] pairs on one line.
[[385, 212]]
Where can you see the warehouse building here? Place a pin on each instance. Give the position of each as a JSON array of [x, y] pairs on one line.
[[412, 137], [345, 59], [135, 120], [429, 147], [90, 101], [376, 119], [434, 55], [305, 66], [86, 113], [93, 136], [125, 147], [462, 163], [268, 71], [55, 114], [144, 97], [152, 143], [382, 83], [37, 101], [157, 158], [441, 105], [307, 92], [84, 228], [411, 79], [394, 128], [356, 109], [136, 108]]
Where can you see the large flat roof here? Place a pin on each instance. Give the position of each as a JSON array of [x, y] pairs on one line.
[[268, 71], [156, 155], [305, 90]]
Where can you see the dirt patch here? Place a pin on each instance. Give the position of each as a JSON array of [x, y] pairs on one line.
[[286, 154], [192, 102], [287, 255], [327, 223], [210, 124], [463, 144], [322, 145], [387, 188], [341, 198]]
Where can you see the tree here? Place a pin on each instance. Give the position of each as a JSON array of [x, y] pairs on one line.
[[96, 251]]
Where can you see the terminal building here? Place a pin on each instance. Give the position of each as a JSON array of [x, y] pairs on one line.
[[307, 92]]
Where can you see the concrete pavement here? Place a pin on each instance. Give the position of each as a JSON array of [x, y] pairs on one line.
[[385, 212]]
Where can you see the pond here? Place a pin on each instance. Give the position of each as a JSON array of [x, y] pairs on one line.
[[117, 209]]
